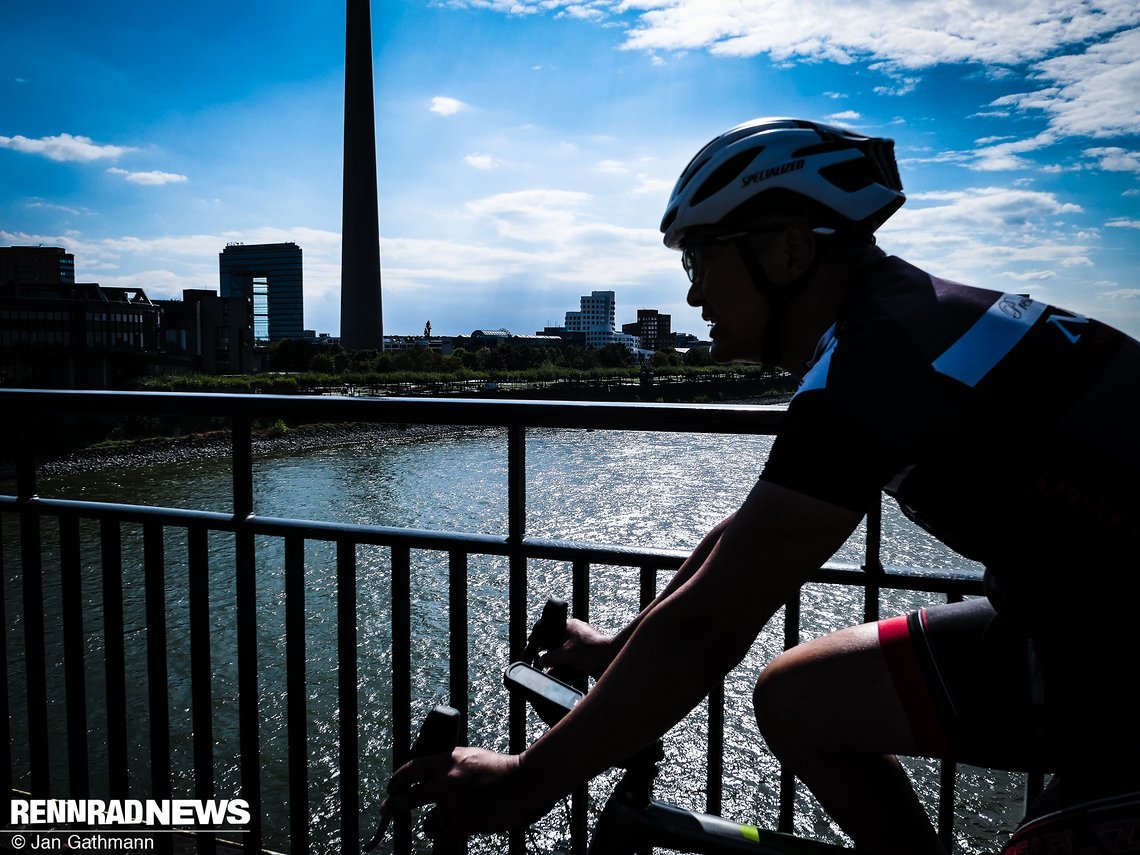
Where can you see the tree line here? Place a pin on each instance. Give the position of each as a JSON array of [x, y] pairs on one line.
[[299, 355]]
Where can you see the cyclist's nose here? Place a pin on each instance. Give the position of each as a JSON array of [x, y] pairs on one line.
[[695, 297]]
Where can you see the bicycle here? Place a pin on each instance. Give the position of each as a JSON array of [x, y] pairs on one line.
[[632, 821]]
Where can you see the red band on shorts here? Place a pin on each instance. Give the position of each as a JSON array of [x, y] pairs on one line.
[[911, 686]]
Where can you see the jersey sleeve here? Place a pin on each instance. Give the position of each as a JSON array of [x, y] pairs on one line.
[[824, 453]]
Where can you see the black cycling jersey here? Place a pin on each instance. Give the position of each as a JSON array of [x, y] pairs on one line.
[[1006, 427]]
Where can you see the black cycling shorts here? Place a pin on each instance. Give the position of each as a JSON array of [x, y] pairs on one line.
[[966, 679], [977, 690]]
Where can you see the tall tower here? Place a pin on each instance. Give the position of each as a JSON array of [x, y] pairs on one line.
[[361, 316]]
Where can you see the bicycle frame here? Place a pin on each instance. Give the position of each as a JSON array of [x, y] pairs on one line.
[[632, 821]]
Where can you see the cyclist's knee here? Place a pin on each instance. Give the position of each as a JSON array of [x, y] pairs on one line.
[[775, 699]]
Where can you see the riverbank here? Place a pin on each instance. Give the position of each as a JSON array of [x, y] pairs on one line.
[[158, 451], [174, 450]]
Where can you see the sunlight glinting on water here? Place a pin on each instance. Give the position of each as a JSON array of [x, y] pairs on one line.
[[605, 487]]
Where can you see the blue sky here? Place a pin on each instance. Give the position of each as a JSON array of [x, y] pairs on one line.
[[527, 147]]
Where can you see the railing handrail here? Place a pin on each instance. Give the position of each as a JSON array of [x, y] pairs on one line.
[[670, 417], [243, 410]]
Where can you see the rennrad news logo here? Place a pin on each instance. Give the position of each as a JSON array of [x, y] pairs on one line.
[[188, 814]]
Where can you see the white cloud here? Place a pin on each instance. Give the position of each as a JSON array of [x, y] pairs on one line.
[[1094, 93], [65, 148], [1123, 223], [914, 35], [445, 106], [1091, 93], [153, 178], [1115, 159], [975, 234], [845, 116], [480, 161]]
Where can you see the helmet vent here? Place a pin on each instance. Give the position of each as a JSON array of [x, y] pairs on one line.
[[849, 176], [725, 174]]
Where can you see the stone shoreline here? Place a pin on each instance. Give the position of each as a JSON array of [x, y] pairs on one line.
[[161, 451], [175, 450]]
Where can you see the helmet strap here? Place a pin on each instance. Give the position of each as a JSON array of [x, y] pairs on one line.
[[778, 296]]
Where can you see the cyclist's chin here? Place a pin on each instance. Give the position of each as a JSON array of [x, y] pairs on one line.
[[725, 351]]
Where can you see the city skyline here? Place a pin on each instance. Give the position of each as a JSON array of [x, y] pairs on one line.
[[526, 149]]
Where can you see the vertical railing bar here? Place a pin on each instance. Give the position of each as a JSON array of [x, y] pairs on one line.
[[714, 794], [35, 655], [947, 784], [459, 673], [74, 665], [516, 533], [580, 590], [647, 592], [517, 597], [297, 718], [201, 691], [579, 799], [348, 697], [114, 651], [872, 560], [158, 693], [787, 816], [647, 586], [26, 432], [6, 781], [248, 714], [458, 617], [401, 679], [242, 462]]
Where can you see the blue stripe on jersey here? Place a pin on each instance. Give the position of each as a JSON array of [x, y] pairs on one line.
[[816, 377], [990, 339]]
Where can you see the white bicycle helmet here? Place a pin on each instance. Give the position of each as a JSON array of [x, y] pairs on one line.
[[733, 178]]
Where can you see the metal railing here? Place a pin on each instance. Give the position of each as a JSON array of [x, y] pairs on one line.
[[27, 408]]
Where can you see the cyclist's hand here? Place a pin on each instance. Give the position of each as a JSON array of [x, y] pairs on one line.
[[584, 649], [474, 792]]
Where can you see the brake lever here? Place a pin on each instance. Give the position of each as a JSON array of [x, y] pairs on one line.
[[439, 734]]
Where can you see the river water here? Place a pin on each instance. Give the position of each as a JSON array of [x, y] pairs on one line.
[[608, 487]]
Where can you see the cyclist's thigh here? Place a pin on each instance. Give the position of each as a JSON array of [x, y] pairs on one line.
[[835, 693]]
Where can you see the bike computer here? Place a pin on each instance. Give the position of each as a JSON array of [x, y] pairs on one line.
[[540, 688]]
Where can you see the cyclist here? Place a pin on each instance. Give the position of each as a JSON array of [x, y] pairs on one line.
[[1004, 426]]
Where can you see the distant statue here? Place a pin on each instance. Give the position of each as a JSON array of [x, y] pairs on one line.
[[427, 330]]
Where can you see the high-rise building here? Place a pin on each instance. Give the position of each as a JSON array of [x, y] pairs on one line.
[[653, 328], [270, 276], [36, 265], [595, 318]]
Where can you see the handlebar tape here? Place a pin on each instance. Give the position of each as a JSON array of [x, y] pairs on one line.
[[438, 734]]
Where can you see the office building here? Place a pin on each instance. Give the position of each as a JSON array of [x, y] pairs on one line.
[[270, 277], [36, 265], [208, 334], [75, 335], [652, 328], [595, 318]]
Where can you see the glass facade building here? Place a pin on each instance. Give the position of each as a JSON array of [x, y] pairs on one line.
[[269, 276]]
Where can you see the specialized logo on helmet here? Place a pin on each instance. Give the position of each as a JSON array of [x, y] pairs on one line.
[[766, 174]]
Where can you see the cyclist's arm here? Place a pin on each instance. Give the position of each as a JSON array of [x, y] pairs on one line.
[[685, 644], [683, 574], [679, 650], [592, 651]]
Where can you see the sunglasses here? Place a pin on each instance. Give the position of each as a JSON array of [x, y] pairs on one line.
[[691, 259], [691, 263]]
